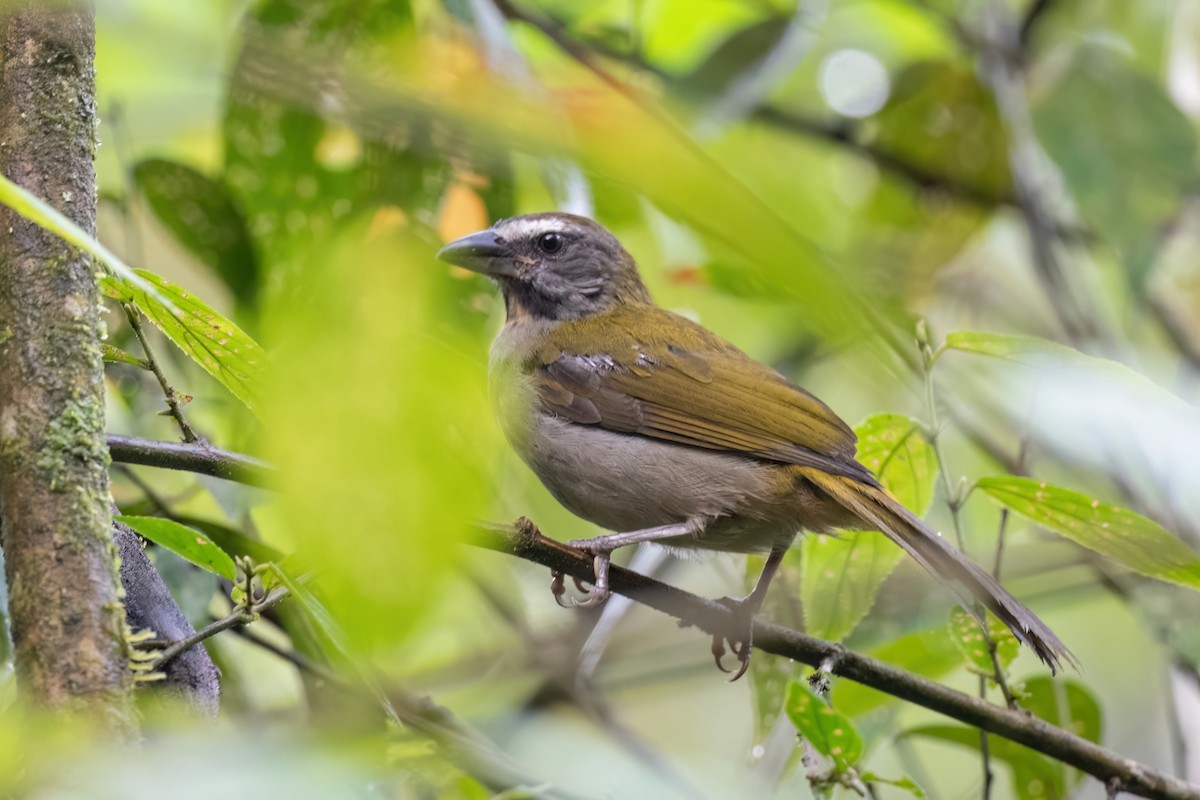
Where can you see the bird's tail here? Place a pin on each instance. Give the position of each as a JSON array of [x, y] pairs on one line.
[[879, 510]]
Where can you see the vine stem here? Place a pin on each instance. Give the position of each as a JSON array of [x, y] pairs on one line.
[[954, 502]]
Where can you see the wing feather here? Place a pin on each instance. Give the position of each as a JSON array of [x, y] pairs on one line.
[[690, 387]]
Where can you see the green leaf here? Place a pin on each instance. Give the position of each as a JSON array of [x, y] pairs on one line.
[[841, 575], [201, 214], [942, 120], [1003, 345], [769, 677], [1148, 150], [221, 348], [924, 652], [906, 783], [115, 355], [968, 639], [1063, 702], [830, 732], [1128, 538], [233, 541], [742, 52], [188, 543], [1034, 777], [1067, 703]]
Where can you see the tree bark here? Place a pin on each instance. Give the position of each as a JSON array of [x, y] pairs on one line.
[[68, 623]]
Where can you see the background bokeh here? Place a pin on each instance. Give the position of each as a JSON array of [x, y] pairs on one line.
[[809, 180]]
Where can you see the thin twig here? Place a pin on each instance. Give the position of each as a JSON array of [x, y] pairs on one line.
[[319, 671], [1035, 13], [1004, 75], [954, 502], [198, 457], [174, 407], [239, 616], [713, 617]]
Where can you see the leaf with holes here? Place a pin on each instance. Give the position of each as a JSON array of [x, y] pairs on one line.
[[968, 639], [842, 575], [1129, 539], [830, 732], [223, 349], [185, 542]]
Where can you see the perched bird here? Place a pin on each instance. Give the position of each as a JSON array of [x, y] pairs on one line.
[[652, 426]]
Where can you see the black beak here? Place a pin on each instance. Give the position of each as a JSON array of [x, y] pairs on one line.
[[479, 252]]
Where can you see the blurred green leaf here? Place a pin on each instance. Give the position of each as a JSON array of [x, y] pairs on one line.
[[298, 174], [769, 680], [1126, 150], [942, 120], [1034, 776], [906, 783], [187, 543], [378, 495], [1129, 539], [1004, 345], [743, 51], [201, 214], [830, 732], [841, 575], [925, 652], [221, 348], [40, 213], [333, 638], [968, 638], [1064, 702]]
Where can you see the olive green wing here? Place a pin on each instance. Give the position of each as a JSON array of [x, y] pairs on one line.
[[663, 377]]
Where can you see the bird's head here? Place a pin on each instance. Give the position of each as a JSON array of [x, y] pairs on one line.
[[551, 266]]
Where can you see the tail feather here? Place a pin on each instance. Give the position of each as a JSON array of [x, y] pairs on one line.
[[969, 582]]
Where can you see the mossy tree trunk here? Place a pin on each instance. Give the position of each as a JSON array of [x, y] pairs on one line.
[[64, 593]]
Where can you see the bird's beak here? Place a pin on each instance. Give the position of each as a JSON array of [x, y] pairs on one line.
[[482, 252]]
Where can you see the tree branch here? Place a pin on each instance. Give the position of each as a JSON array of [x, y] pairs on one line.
[[710, 616], [195, 457], [240, 615]]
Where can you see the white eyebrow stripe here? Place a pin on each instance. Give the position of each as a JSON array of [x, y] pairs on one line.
[[530, 228]]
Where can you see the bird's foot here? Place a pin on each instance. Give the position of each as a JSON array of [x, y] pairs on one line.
[[740, 637], [598, 592], [558, 588]]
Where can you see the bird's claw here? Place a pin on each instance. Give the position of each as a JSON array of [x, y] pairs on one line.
[[593, 596], [740, 643], [558, 588]]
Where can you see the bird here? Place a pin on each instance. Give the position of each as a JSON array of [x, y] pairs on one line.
[[651, 426]]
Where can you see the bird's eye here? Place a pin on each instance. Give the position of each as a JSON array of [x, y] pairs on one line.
[[550, 243]]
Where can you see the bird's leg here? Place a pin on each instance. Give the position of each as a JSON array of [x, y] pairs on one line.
[[743, 612], [601, 548]]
